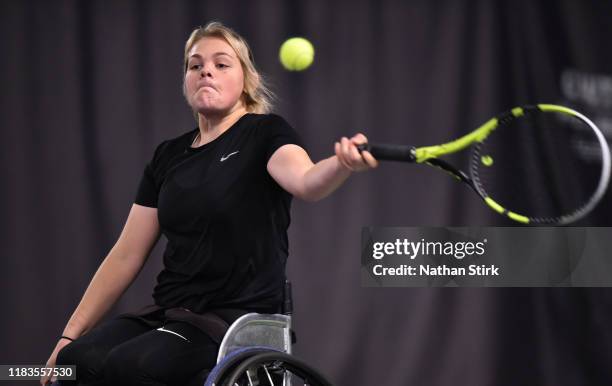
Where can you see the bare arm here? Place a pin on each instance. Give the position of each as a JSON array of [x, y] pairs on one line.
[[117, 271], [291, 168]]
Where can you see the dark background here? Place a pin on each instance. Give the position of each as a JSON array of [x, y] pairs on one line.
[[89, 88]]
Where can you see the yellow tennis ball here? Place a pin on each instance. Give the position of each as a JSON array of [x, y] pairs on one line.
[[486, 160], [296, 54]]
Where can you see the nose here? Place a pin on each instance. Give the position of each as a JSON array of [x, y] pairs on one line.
[[205, 71]]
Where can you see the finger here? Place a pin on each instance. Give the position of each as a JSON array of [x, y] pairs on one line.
[[359, 139], [346, 151], [341, 156], [345, 147], [356, 156], [369, 159]]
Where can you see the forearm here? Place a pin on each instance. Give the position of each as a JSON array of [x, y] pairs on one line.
[[291, 167], [110, 281], [323, 178]]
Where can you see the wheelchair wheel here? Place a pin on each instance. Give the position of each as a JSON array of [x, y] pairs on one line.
[[273, 368], [224, 368]]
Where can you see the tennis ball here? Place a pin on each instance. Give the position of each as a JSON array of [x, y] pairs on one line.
[[296, 54], [486, 160]]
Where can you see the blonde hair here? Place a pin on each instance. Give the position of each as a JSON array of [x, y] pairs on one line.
[[257, 96]]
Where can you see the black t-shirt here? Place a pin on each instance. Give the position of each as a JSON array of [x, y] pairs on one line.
[[224, 216]]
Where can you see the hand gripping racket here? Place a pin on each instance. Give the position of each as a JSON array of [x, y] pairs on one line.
[[542, 164]]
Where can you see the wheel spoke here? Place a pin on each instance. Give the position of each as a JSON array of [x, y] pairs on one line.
[[268, 375]]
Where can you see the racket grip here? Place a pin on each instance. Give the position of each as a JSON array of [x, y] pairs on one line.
[[388, 152]]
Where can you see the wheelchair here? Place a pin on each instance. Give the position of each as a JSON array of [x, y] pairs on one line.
[[256, 351]]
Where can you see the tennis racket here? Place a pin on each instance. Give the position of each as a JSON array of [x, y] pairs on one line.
[[535, 164]]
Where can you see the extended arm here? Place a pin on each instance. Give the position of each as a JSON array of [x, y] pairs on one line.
[[291, 168]]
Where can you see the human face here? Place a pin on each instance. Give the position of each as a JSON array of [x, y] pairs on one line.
[[214, 80]]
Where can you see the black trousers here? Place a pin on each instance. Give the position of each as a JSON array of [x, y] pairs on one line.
[[129, 352]]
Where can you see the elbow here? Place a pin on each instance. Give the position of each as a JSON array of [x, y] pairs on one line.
[[310, 196], [310, 190]]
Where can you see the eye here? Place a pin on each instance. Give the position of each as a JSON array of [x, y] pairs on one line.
[[195, 67], [222, 65]]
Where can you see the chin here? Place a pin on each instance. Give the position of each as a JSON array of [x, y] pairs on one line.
[[207, 106], [211, 111]]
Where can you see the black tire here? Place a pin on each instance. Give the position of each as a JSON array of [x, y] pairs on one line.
[[309, 375]]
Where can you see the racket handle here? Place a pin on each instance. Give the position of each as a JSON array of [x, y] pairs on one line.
[[388, 152]]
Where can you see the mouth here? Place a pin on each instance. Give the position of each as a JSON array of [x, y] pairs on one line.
[[206, 87]]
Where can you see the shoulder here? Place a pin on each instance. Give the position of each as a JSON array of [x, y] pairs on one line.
[[180, 140], [270, 124], [272, 120], [168, 149], [175, 144], [273, 131], [255, 120]]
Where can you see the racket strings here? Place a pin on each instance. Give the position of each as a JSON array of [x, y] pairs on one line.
[[529, 166]]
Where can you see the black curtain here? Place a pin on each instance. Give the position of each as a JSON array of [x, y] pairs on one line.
[[90, 87]]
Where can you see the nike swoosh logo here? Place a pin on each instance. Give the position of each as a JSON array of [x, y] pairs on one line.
[[229, 155]]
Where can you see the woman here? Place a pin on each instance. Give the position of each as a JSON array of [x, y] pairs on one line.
[[221, 195]]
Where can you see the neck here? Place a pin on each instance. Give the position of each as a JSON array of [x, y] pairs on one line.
[[211, 126]]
